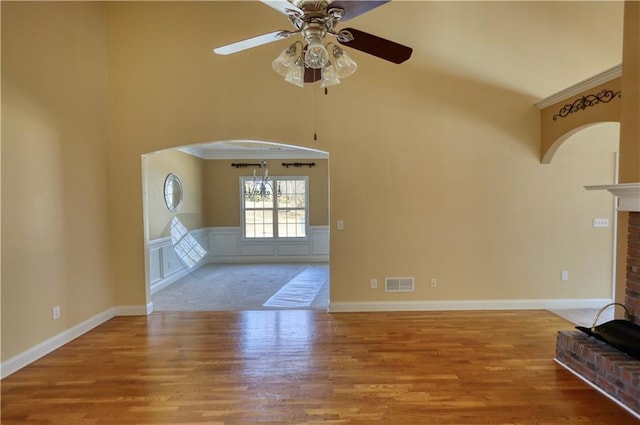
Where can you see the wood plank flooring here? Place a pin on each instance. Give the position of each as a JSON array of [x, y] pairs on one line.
[[310, 367]]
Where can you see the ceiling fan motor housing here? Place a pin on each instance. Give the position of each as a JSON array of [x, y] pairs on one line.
[[314, 20]]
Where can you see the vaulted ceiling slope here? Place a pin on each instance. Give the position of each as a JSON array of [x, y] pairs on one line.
[[534, 47]]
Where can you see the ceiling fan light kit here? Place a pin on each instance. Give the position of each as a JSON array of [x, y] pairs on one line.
[[295, 73], [290, 64], [329, 76], [286, 59], [314, 20], [345, 66]]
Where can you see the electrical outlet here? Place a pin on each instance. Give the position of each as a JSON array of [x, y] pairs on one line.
[[564, 275], [56, 312], [374, 283], [434, 282]]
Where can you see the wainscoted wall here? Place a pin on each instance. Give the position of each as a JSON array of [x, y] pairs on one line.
[[226, 245], [164, 266]]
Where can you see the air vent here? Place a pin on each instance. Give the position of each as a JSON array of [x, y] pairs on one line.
[[398, 284]]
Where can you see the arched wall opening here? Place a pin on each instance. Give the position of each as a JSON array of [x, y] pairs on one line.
[[587, 105], [210, 219], [551, 150], [592, 150]]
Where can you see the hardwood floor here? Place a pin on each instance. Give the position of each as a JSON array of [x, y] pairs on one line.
[[309, 367]]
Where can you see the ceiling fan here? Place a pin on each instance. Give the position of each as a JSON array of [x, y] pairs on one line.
[[315, 20]]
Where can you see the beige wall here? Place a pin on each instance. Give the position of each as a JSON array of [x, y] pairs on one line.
[[222, 205], [630, 127], [190, 169], [441, 179], [54, 170], [435, 173]]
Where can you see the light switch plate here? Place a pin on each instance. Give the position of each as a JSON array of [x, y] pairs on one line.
[[600, 222]]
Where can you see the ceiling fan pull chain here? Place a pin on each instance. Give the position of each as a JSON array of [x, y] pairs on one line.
[[315, 113]]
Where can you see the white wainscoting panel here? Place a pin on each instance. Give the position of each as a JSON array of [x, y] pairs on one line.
[[319, 240], [223, 241], [257, 249], [226, 245], [164, 266], [155, 264], [170, 262], [294, 248]]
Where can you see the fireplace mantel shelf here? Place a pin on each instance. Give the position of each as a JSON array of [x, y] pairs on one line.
[[628, 194]]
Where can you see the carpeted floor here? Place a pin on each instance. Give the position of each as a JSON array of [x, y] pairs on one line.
[[226, 287], [276, 286], [584, 316]]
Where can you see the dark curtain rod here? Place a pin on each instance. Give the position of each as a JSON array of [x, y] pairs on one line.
[[284, 164], [246, 164], [298, 164]]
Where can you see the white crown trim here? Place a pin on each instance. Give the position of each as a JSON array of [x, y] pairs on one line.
[[596, 80]]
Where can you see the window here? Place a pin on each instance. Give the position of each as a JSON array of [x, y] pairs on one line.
[[277, 208]]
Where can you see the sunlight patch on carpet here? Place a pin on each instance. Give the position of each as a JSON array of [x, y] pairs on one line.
[[301, 290]]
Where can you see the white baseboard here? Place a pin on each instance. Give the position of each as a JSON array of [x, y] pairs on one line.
[[467, 305], [269, 259], [34, 353], [600, 390], [38, 351], [21, 360], [167, 281]]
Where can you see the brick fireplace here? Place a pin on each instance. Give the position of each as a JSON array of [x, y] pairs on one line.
[[632, 292], [610, 371]]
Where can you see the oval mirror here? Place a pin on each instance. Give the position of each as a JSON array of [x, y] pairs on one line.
[[173, 194]]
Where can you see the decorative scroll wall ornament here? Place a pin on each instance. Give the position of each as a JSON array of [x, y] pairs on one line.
[[605, 96]]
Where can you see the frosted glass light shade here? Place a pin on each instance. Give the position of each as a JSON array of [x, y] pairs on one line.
[[345, 66], [295, 74], [316, 55], [282, 63], [329, 76]]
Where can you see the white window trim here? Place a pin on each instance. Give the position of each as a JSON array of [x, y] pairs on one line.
[[275, 179]]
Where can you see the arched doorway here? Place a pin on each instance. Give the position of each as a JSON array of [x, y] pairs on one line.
[[244, 268]]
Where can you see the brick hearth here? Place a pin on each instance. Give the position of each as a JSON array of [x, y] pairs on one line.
[[605, 367]]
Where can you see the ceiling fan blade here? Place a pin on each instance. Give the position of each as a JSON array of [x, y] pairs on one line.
[[376, 46], [353, 8], [312, 75], [259, 40], [283, 6]]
